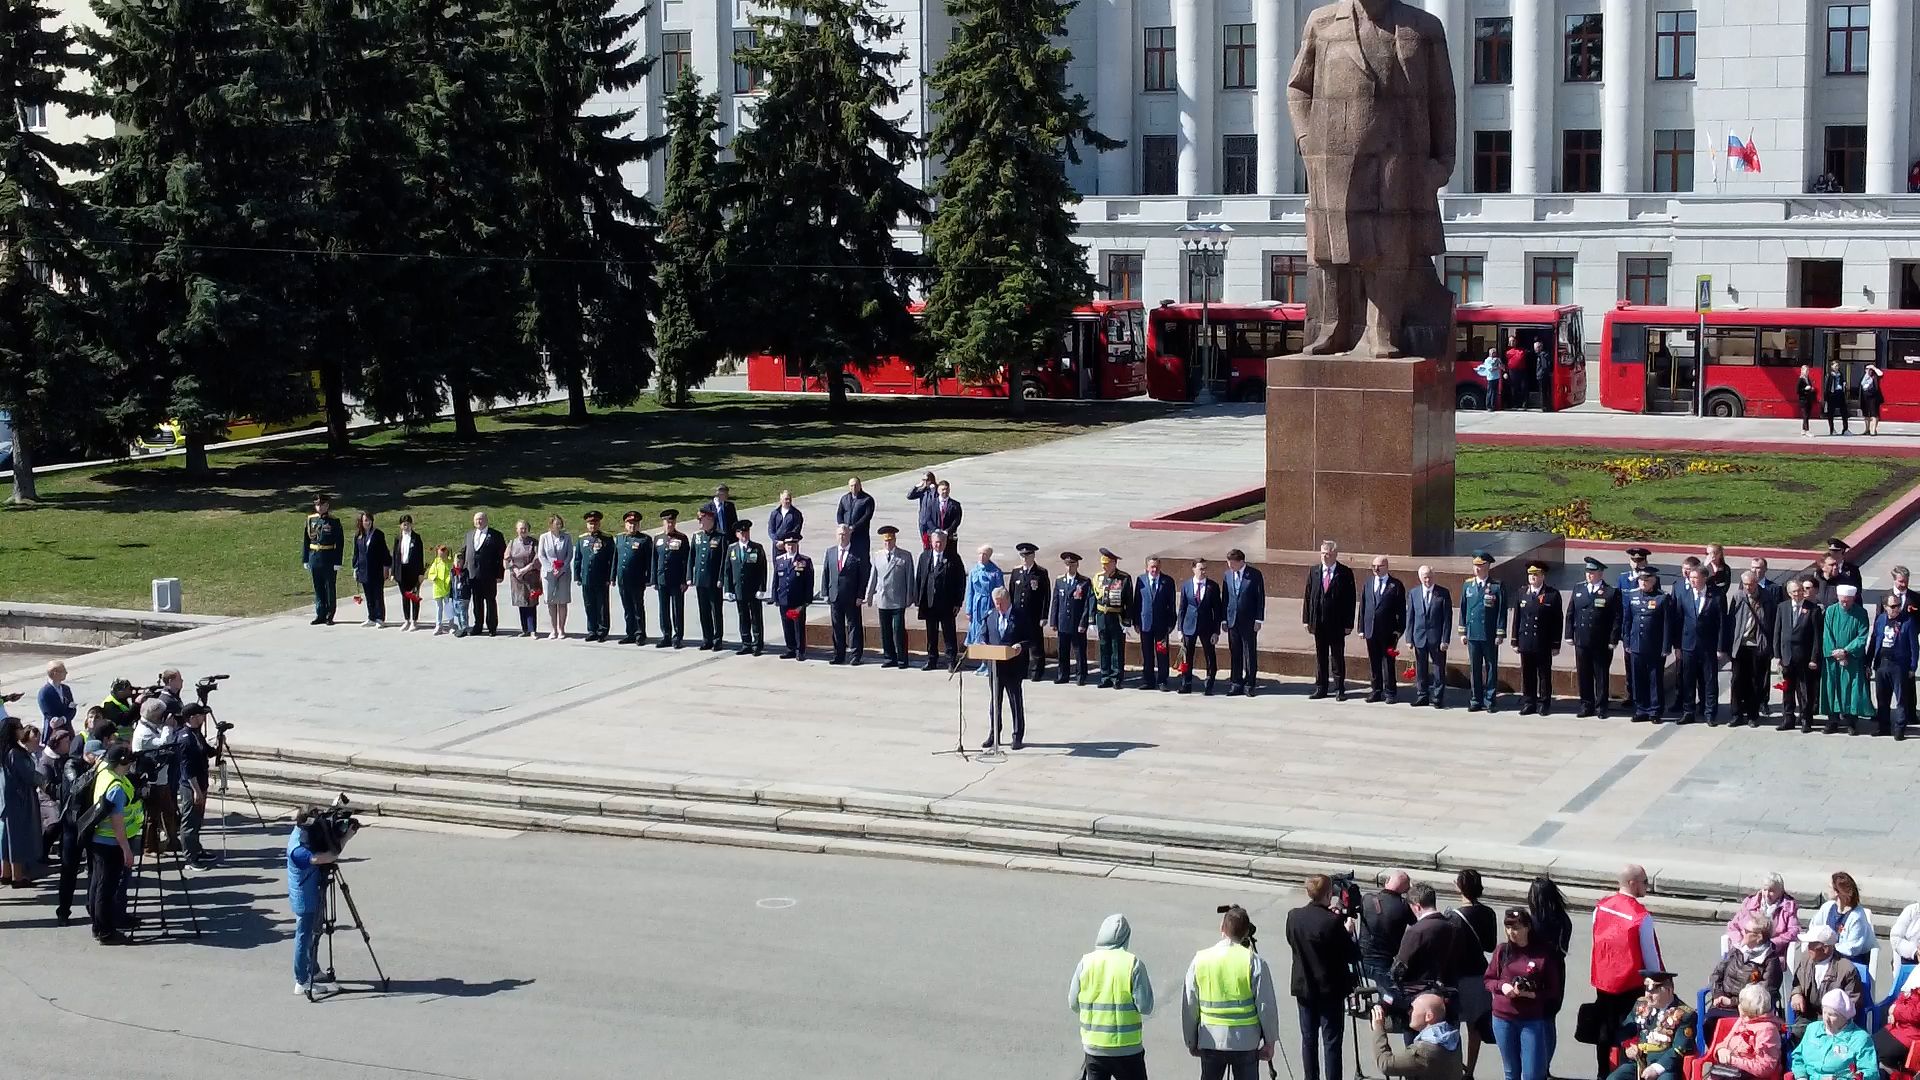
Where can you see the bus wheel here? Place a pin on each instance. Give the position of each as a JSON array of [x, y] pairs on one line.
[[1250, 392], [1469, 397], [850, 384], [1722, 403], [1031, 391]]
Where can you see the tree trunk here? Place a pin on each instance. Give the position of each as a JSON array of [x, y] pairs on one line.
[[836, 388], [334, 399], [24, 490], [464, 426], [196, 460], [576, 398]]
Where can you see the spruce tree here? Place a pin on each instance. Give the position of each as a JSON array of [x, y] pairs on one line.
[[693, 307], [822, 193], [589, 275], [196, 202], [1007, 268], [52, 368]]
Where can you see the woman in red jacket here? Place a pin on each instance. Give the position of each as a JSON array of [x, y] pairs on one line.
[[1895, 1038]]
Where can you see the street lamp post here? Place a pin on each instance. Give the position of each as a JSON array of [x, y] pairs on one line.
[[1206, 248]]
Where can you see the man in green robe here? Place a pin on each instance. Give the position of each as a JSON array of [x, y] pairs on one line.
[[1844, 693]]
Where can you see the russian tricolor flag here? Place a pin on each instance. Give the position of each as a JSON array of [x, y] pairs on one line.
[[1744, 156]]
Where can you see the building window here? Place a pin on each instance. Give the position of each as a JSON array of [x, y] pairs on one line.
[[1847, 39], [1583, 48], [1673, 160], [1492, 51], [1673, 42], [1580, 159], [1466, 277], [1159, 165], [1236, 57], [1159, 59], [1553, 279], [1287, 278], [34, 116], [1202, 285], [1647, 281], [1124, 270], [1847, 156], [676, 55], [1239, 159], [746, 77], [1492, 161]]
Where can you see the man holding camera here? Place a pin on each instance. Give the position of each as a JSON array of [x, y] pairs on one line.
[[192, 797], [1229, 1015], [1324, 959], [112, 847], [155, 739], [1434, 1053], [306, 877], [1384, 918]]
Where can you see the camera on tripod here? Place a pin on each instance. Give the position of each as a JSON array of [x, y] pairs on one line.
[[327, 829], [205, 687], [1396, 1002]]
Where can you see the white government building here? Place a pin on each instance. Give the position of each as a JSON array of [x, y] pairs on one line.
[[1592, 161]]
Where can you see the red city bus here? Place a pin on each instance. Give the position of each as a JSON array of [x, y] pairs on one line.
[[1097, 356], [1650, 358], [1246, 335]]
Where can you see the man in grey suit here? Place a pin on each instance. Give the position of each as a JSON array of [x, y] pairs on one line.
[[890, 590], [1429, 627]]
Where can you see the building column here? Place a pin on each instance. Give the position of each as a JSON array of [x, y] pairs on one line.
[[1623, 82], [654, 112], [710, 35], [1113, 95], [1194, 72], [1276, 40], [1533, 64], [1889, 96], [1452, 15]]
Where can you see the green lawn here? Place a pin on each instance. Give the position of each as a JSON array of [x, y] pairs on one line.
[[1777, 500], [100, 535]]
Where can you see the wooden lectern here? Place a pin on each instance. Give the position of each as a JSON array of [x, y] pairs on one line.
[[980, 650]]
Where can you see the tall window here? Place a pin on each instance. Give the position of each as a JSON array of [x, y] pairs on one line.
[[1493, 51], [1236, 56], [1124, 271], [1583, 48], [1647, 281], [1202, 285], [34, 116], [746, 77], [1673, 159], [1466, 277], [1492, 161], [676, 54], [1239, 164], [1553, 279], [1158, 74], [1673, 44], [1847, 156], [1580, 159], [1847, 39], [1287, 278], [1159, 165]]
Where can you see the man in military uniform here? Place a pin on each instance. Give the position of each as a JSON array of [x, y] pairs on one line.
[[670, 559], [1846, 573], [746, 579], [1030, 590], [1538, 622], [1648, 629], [1629, 581], [1112, 612], [1069, 615], [709, 565], [593, 565], [1593, 628], [320, 553], [1483, 626], [792, 592], [633, 556]]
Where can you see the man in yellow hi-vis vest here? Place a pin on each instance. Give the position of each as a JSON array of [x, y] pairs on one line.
[[1110, 993], [1229, 1014], [110, 849]]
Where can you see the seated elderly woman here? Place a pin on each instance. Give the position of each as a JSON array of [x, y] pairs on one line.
[[1752, 1043], [1752, 962], [1835, 1048], [1777, 906], [1895, 1040]]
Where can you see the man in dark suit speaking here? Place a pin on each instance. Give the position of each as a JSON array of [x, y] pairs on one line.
[[1003, 629], [1327, 611], [486, 554]]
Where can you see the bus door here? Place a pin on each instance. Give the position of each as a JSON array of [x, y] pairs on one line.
[[1537, 395], [1570, 364], [1118, 351], [1673, 365], [1852, 350]]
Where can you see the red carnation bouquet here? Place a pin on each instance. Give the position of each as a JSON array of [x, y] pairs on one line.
[[1160, 646], [1394, 653], [1781, 685], [793, 613], [1407, 675], [556, 566], [357, 599], [413, 597]]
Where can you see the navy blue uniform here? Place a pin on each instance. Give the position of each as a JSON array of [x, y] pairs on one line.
[[593, 566], [1650, 627], [1030, 591], [1071, 612], [1538, 623], [670, 561], [1593, 629], [746, 579], [633, 571], [709, 567], [792, 592]]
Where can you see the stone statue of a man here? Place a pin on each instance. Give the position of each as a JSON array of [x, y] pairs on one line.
[[1372, 102]]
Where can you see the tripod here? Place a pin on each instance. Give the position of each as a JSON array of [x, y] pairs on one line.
[[159, 866], [223, 757], [336, 889]]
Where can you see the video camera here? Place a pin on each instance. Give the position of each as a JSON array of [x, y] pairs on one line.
[[327, 829], [205, 688], [1395, 1001], [1345, 900]]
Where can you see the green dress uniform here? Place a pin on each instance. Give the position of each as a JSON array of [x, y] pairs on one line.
[[1844, 683], [1483, 625], [746, 579], [633, 570], [670, 557], [1030, 591], [593, 566], [320, 544], [1112, 600], [709, 567]]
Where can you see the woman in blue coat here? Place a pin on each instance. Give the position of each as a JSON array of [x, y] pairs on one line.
[[1892, 649], [981, 581]]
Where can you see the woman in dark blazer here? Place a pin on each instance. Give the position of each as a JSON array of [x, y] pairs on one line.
[[370, 562], [1833, 390], [1892, 649], [1807, 392], [409, 566]]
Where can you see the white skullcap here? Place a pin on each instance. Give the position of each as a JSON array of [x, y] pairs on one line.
[[1845, 590]]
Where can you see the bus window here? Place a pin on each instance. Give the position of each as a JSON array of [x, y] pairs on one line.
[[1137, 320], [1783, 348], [1903, 350], [1122, 346], [1731, 345], [1574, 350], [1472, 340], [1852, 346]]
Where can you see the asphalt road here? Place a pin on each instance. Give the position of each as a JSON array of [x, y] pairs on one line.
[[533, 955]]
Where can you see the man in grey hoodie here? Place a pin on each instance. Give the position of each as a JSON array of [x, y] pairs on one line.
[[1229, 1013], [1110, 993]]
